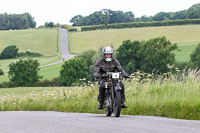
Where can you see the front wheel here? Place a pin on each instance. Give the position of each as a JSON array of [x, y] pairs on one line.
[[117, 104]]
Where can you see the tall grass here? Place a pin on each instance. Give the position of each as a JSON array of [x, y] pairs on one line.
[[167, 97]]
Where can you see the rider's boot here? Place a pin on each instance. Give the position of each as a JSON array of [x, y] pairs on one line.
[[123, 105], [100, 106]]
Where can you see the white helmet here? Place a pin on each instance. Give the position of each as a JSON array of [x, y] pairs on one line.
[[107, 50]]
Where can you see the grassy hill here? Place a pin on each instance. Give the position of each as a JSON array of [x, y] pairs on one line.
[[42, 41], [186, 36]]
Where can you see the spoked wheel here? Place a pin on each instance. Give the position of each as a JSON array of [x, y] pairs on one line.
[[108, 112], [117, 104], [108, 105]]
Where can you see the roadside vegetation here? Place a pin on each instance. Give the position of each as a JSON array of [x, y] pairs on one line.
[[166, 96]]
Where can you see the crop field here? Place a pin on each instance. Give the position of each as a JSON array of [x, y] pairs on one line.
[[185, 36], [173, 98]]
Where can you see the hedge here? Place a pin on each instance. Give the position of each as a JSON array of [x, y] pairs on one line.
[[141, 24]]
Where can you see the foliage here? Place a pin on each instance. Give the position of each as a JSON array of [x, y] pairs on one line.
[[73, 70], [49, 24], [87, 56], [16, 21], [127, 54], [195, 58], [148, 56], [29, 54], [1, 72], [155, 54], [24, 72], [104, 16], [9, 52], [50, 83], [193, 12], [7, 85], [141, 24], [165, 97], [162, 16]]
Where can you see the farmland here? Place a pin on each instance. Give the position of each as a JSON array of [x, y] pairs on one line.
[[186, 36]]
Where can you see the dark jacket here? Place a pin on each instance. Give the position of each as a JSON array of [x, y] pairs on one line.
[[102, 66]]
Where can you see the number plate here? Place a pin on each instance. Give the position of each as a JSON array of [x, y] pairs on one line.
[[115, 75]]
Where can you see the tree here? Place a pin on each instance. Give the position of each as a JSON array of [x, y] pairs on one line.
[[148, 56], [24, 72], [180, 15], [156, 54], [128, 56], [73, 70], [161, 16], [193, 12], [49, 24], [9, 52], [195, 58]]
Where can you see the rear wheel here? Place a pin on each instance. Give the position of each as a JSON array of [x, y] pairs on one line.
[[117, 104]]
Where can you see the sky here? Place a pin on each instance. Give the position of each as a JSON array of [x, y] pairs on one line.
[[61, 11]]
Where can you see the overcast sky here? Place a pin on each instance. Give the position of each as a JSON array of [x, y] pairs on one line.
[[61, 11]]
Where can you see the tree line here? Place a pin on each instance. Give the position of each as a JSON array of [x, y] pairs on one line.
[[16, 21], [107, 16]]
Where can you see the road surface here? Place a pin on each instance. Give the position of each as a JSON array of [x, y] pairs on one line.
[[64, 47], [59, 122]]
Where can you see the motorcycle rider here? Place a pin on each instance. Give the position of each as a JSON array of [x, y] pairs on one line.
[[108, 64]]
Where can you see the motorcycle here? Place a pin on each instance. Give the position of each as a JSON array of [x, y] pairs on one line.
[[112, 100]]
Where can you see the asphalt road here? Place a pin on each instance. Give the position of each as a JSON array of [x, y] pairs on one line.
[[64, 47], [59, 122]]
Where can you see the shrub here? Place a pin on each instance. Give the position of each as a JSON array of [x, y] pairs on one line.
[[7, 85], [9, 52], [73, 70], [195, 58], [1, 72], [50, 83], [24, 72], [141, 24], [29, 54]]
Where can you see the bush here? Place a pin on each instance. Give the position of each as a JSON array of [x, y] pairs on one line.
[[24, 72], [29, 54], [9, 52], [1, 72], [7, 85], [195, 58], [73, 70], [50, 83], [141, 24]]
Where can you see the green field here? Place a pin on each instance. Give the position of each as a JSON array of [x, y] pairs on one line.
[[172, 98], [185, 36], [43, 41]]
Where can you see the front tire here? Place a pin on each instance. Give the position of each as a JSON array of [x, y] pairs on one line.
[[117, 104]]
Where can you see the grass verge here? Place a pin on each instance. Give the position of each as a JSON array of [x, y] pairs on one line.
[[167, 97]]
